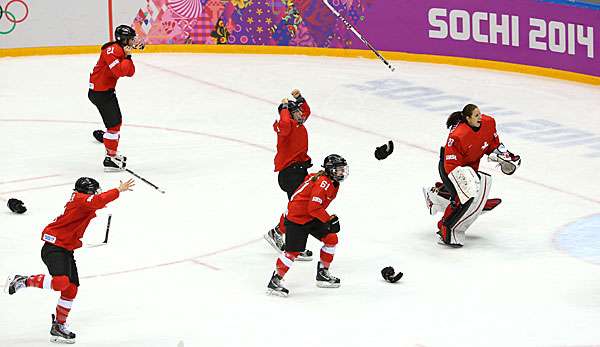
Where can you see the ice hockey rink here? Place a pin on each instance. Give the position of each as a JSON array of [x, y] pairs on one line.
[[190, 267]]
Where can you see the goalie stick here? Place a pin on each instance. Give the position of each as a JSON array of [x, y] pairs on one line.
[[351, 28]]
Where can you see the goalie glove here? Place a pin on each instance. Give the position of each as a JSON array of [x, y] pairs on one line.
[[509, 162], [384, 151], [389, 274]]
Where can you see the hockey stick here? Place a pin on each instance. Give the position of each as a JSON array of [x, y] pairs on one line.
[[107, 229], [351, 28], [105, 242], [146, 181]]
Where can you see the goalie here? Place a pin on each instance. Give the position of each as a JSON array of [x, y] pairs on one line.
[[463, 195]]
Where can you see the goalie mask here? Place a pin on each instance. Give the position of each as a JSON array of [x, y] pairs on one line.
[[336, 167], [87, 185]]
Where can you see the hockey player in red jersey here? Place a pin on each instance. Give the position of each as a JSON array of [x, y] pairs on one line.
[[115, 62], [307, 215], [292, 160], [463, 194], [61, 238]]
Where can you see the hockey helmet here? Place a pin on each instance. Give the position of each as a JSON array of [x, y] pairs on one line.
[[87, 185], [123, 33], [336, 167]]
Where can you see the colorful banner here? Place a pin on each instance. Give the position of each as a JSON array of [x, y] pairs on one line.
[[248, 22], [526, 32]]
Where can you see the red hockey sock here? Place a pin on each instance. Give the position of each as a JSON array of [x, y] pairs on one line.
[[111, 140], [65, 302], [37, 281], [281, 224], [285, 261], [328, 249]]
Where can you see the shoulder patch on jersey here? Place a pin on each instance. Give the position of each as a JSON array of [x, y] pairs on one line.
[[317, 199], [450, 157], [113, 64]]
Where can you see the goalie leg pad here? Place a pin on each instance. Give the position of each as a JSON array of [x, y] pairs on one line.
[[475, 208], [466, 182], [435, 201]]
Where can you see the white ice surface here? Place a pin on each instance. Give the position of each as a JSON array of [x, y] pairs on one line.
[[190, 268]]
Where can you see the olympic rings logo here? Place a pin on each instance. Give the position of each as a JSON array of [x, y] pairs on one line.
[[5, 13]]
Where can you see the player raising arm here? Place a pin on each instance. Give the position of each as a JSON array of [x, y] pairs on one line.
[[61, 238], [291, 160]]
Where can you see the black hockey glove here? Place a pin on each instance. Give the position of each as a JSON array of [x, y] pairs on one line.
[[334, 225], [99, 135], [389, 275], [384, 151], [16, 206]]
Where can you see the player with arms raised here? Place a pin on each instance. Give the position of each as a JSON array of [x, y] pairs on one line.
[[291, 160]]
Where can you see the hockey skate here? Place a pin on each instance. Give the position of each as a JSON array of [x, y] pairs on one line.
[[325, 279], [275, 286], [114, 163], [275, 239], [14, 283], [60, 333], [444, 237]]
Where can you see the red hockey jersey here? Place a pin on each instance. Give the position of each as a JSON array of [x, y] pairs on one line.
[[67, 229], [466, 146], [292, 139], [111, 65], [311, 199]]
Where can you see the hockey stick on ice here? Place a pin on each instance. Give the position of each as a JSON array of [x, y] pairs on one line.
[[351, 28], [105, 242], [146, 181]]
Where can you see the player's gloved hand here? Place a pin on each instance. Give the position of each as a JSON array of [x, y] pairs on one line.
[[389, 274], [384, 151], [334, 224], [127, 50], [299, 98], [16, 206], [509, 162]]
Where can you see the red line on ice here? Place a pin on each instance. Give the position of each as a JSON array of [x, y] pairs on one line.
[[29, 179], [359, 129]]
